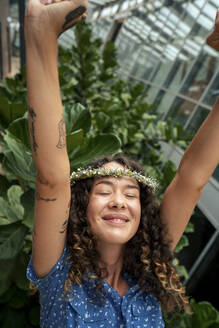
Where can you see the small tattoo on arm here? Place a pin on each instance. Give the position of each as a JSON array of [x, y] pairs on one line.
[[64, 227], [32, 128], [62, 139], [38, 197], [72, 15]]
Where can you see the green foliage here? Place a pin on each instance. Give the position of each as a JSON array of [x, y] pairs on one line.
[[116, 106], [104, 115], [204, 315]]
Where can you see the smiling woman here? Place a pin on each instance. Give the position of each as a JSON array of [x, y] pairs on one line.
[[102, 246]]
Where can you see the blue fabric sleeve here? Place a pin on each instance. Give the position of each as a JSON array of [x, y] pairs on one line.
[[46, 281]]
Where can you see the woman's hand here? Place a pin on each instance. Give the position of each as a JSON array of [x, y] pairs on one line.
[[44, 17], [213, 38]]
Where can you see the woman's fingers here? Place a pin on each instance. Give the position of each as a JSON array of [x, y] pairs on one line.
[[213, 38]]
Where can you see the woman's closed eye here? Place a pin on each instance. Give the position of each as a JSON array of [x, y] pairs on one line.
[[104, 193], [131, 195]]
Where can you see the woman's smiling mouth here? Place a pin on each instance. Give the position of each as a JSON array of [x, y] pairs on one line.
[[114, 218]]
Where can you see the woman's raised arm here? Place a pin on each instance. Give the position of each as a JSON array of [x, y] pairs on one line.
[[196, 167], [43, 24]]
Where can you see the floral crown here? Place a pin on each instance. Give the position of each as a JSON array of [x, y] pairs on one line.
[[87, 173]]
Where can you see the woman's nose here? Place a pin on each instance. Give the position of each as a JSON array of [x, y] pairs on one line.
[[117, 202]]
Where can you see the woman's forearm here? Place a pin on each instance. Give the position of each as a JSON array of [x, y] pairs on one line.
[[202, 155], [45, 112]]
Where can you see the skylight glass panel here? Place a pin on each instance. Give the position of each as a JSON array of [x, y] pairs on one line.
[[180, 33], [199, 40], [114, 9], [157, 4], [173, 18], [149, 6], [210, 51], [165, 11], [167, 30], [154, 36], [106, 11], [151, 17], [192, 44], [172, 49], [131, 3], [95, 14], [159, 24], [171, 25], [191, 10], [210, 11], [183, 27], [205, 22], [169, 56], [125, 5], [182, 57], [215, 2], [190, 50], [159, 47], [200, 3]]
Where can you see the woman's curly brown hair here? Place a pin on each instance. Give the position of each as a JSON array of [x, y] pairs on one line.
[[147, 255]]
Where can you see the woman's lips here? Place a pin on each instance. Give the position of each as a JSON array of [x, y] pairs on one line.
[[118, 219]]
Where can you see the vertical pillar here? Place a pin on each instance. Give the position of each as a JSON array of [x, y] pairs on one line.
[[4, 44], [114, 31], [22, 40]]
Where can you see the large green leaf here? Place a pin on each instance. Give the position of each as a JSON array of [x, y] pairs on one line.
[[12, 318], [11, 240], [19, 299], [27, 201], [7, 267], [104, 144], [11, 210], [103, 121], [205, 313], [19, 273], [10, 112], [77, 117], [4, 285], [19, 129], [18, 160], [74, 139], [34, 316], [4, 185]]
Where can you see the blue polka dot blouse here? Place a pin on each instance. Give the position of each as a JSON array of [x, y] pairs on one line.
[[136, 309]]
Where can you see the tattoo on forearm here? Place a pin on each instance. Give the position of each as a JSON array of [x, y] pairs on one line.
[[62, 139], [38, 197], [32, 128], [64, 227], [72, 15]]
